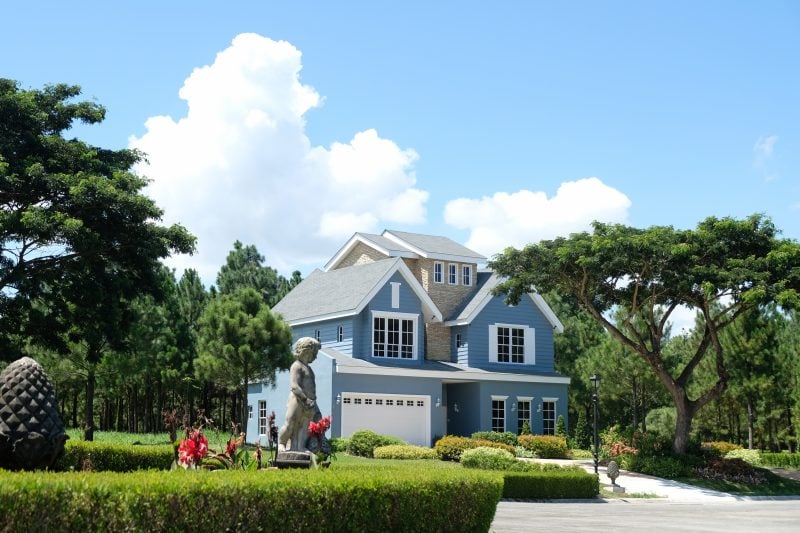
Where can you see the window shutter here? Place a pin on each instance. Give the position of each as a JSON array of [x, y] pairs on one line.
[[530, 346], [492, 343]]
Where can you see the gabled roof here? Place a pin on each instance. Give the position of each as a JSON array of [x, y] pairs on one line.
[[346, 291], [434, 247], [380, 243], [486, 281]]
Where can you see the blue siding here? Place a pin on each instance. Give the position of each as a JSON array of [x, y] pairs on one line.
[[462, 353], [328, 333], [278, 394], [409, 303], [527, 314]]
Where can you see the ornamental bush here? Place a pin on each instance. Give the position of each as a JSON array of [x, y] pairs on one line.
[[115, 457], [404, 451], [505, 437], [751, 456], [545, 446], [550, 484], [364, 442], [393, 499], [339, 444], [450, 447], [731, 470], [718, 448], [666, 467], [487, 458]]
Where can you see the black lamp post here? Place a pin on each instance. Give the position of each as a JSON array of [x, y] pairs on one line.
[[595, 379]]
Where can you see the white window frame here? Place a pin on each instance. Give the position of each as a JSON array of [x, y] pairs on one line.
[[554, 401], [438, 272], [318, 335], [452, 274], [529, 344], [250, 411], [520, 418], [466, 275], [263, 418], [414, 335], [459, 340], [499, 427]]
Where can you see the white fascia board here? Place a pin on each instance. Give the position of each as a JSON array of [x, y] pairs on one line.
[[432, 255], [321, 318], [399, 266], [354, 240], [547, 311], [452, 377]]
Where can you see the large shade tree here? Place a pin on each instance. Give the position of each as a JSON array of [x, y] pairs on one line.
[[721, 269]]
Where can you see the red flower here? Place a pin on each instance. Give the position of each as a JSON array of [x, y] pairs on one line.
[[192, 450], [318, 429]]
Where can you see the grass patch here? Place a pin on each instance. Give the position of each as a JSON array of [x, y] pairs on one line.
[[608, 495], [775, 486], [119, 437]]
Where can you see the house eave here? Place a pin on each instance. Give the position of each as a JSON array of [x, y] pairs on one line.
[[464, 375]]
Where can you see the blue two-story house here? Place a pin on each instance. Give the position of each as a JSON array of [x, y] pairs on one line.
[[415, 345]]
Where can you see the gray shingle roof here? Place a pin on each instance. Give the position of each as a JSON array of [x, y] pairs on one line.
[[485, 281], [383, 242], [435, 245], [334, 292]]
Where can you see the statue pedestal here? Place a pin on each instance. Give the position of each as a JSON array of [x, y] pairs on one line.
[[290, 459], [617, 488]]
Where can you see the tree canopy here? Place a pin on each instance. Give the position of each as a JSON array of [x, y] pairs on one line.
[[722, 268], [72, 215]]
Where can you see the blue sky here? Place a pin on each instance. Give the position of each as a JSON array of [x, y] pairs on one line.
[[481, 121]]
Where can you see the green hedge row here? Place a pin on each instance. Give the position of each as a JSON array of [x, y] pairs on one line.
[[106, 457], [272, 500], [781, 460], [404, 451], [550, 485]]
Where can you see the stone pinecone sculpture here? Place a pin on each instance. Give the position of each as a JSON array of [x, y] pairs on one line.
[[31, 428]]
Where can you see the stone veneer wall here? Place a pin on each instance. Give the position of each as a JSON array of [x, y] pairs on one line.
[[360, 255]]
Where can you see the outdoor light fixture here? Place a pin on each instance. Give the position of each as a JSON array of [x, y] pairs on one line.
[[438, 402], [513, 407], [455, 407], [595, 379], [338, 399]]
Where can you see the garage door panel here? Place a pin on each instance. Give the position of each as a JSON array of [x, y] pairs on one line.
[[403, 416]]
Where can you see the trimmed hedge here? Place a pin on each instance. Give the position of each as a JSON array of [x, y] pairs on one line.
[[550, 485], [364, 442], [450, 448], [505, 437], [403, 499], [106, 457], [666, 467], [781, 460], [404, 451], [545, 446], [487, 458]]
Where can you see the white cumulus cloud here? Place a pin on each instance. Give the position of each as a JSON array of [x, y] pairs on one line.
[[239, 165], [522, 217]]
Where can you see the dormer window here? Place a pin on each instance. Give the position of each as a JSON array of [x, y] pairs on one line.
[[466, 275], [438, 272], [452, 274]]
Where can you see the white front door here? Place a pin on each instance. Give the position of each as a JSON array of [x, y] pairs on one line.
[[406, 416]]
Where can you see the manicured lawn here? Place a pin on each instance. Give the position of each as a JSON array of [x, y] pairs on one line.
[[775, 486], [344, 461], [118, 437]]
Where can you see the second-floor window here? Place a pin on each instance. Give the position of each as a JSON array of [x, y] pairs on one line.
[[510, 343], [466, 275], [438, 272], [339, 333], [394, 336], [452, 274]]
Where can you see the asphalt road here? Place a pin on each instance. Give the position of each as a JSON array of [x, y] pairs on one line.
[[649, 515]]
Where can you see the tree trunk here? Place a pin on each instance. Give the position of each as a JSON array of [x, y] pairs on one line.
[[683, 424], [635, 405], [88, 422], [245, 419], [75, 407], [750, 419], [120, 413]]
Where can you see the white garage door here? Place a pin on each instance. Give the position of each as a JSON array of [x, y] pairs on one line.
[[399, 415]]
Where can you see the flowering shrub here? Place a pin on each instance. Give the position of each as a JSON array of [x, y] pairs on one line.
[[193, 449], [751, 456], [317, 431], [718, 448], [620, 448]]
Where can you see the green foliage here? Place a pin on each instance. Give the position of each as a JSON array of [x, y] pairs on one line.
[[583, 435], [526, 428], [661, 421], [718, 448], [666, 467], [392, 499], [487, 458], [339, 444], [546, 446], [114, 457], [364, 442], [450, 447], [404, 451], [495, 436], [244, 268], [561, 427], [781, 460], [552, 484], [751, 456]]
